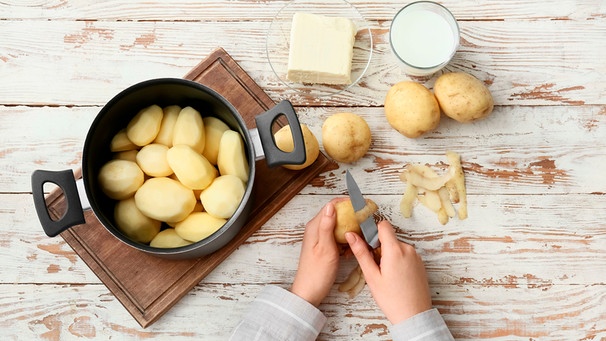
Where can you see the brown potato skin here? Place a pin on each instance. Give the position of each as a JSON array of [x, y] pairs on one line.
[[463, 97], [348, 220], [346, 137], [411, 109], [284, 141]]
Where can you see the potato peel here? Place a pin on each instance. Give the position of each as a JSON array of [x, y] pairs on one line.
[[408, 200], [424, 180], [354, 283], [436, 192], [459, 181]]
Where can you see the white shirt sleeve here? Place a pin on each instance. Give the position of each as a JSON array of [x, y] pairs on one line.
[[278, 314], [425, 326]]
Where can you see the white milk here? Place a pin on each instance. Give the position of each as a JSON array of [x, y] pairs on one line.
[[423, 39]]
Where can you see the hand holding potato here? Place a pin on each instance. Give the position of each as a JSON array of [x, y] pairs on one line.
[[349, 220], [319, 259]]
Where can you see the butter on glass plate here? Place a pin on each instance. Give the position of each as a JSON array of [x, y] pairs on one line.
[[278, 44]]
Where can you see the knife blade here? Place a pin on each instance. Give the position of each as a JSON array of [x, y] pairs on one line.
[[368, 226]]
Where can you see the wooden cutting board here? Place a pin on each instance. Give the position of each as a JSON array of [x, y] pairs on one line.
[[149, 286]]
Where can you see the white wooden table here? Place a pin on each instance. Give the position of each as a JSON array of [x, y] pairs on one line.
[[528, 264]]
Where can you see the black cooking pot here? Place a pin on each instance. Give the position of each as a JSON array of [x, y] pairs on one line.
[[115, 116]]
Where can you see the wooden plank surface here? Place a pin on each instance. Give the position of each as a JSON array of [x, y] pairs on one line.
[[528, 264]]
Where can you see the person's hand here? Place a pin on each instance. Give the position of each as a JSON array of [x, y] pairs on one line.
[[399, 284], [319, 258]]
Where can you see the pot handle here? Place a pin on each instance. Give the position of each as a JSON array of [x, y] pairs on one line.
[[274, 156], [73, 214]]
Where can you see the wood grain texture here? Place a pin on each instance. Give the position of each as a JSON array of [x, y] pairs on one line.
[[524, 62], [224, 10], [517, 150], [528, 263]]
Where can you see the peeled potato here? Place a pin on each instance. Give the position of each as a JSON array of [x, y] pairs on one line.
[[348, 220], [198, 226], [345, 137], [411, 109], [284, 141], [120, 142], [191, 168], [144, 127], [213, 129], [165, 199], [189, 129], [463, 97], [168, 239], [167, 127], [120, 179], [134, 224], [128, 155], [232, 157], [152, 160], [223, 196]]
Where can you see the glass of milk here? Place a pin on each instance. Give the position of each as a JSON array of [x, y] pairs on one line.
[[424, 36]]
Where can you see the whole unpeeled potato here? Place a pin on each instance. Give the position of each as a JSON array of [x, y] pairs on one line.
[[285, 142], [346, 137], [411, 109], [463, 97]]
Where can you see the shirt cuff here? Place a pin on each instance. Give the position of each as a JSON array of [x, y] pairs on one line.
[[428, 325], [285, 315]]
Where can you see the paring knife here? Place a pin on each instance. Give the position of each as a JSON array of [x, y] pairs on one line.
[[369, 227]]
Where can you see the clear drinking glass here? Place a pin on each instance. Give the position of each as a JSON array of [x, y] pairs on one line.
[[424, 36]]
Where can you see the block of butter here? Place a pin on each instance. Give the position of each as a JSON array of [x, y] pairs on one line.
[[321, 49]]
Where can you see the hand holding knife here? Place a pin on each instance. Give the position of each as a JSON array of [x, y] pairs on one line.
[[368, 226]]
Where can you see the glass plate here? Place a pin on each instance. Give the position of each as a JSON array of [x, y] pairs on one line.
[[278, 37]]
